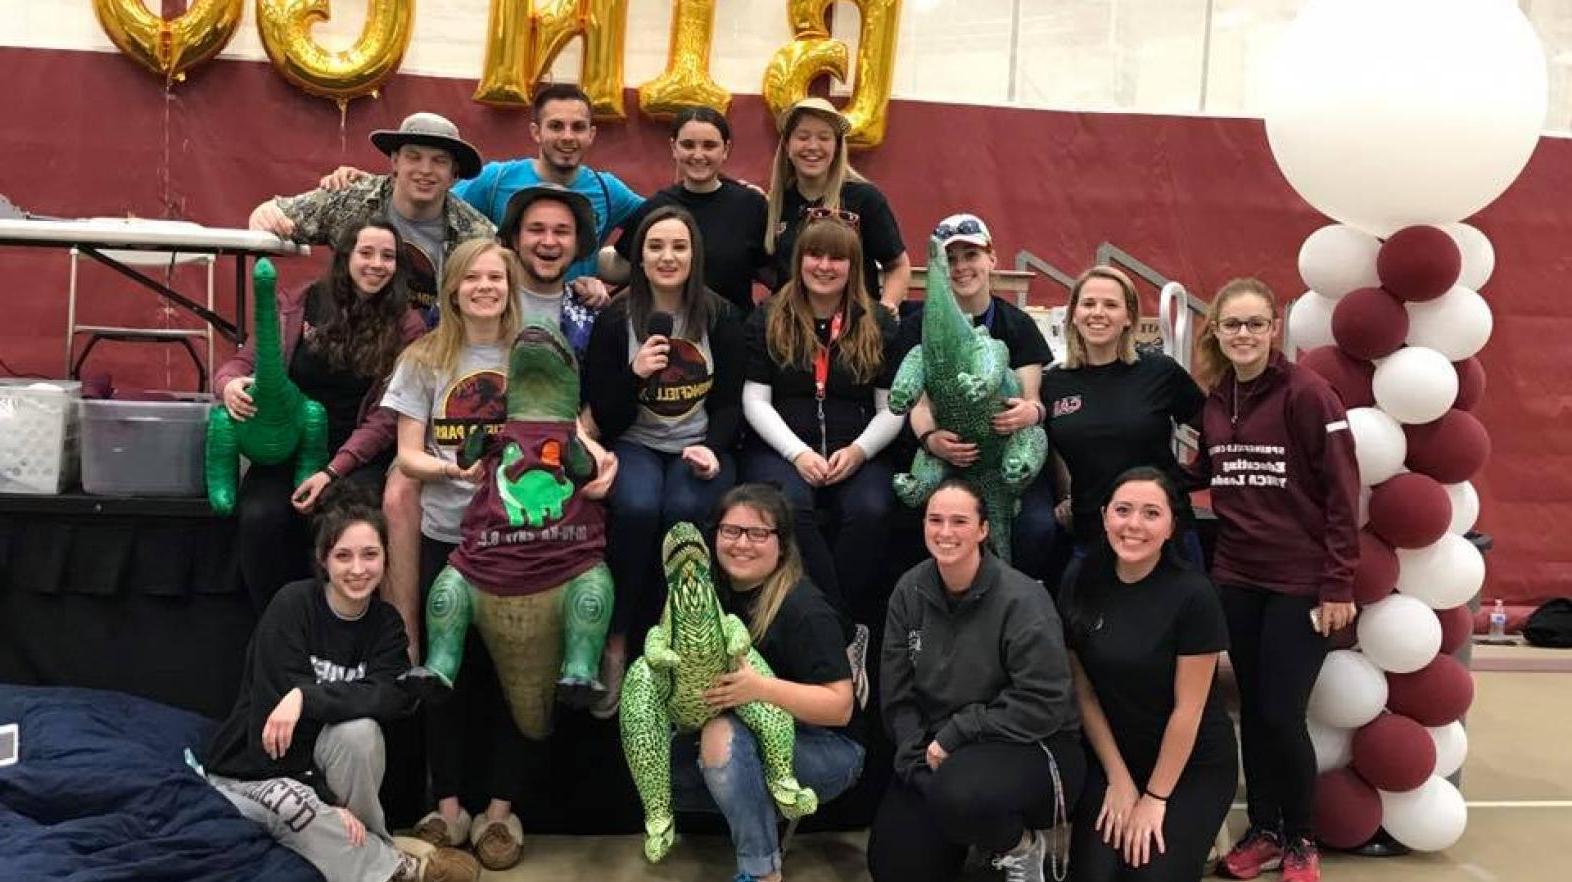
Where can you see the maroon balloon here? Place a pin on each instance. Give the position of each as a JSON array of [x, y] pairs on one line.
[[1457, 625], [1349, 376], [1451, 449], [1470, 383], [1434, 695], [1419, 263], [1393, 753], [1376, 575], [1369, 323], [1347, 810], [1409, 510]]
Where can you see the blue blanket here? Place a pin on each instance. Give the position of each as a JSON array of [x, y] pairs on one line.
[[102, 792]]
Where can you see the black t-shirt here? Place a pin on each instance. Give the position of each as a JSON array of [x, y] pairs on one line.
[[731, 220], [1005, 321], [340, 391], [1106, 419], [881, 236], [806, 642], [848, 403], [1130, 650]]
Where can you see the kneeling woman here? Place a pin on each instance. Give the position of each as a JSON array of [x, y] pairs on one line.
[[1145, 632], [976, 692], [302, 752]]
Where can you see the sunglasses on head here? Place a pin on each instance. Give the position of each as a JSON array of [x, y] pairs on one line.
[[967, 227], [813, 213]]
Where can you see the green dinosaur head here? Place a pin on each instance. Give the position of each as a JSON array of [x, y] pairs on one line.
[[942, 319], [543, 374], [691, 590]]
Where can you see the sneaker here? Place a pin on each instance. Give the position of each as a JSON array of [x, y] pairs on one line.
[[498, 844], [436, 829], [743, 877], [857, 655], [1260, 849], [611, 672], [1024, 863], [1301, 862]]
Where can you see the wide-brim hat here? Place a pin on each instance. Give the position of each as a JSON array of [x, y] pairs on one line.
[[818, 107], [430, 130], [578, 203]]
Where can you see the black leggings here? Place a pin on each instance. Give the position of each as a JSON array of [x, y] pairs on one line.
[[1276, 656], [1195, 813], [985, 795]]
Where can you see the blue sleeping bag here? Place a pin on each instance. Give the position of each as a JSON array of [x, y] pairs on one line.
[[102, 792]]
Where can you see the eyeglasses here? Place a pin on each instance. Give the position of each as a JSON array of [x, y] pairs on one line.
[[969, 227], [1230, 327], [812, 213], [733, 532]]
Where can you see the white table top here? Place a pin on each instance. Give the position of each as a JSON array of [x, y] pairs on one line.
[[158, 235]]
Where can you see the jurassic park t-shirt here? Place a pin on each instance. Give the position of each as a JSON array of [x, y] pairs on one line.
[[671, 412], [528, 528]]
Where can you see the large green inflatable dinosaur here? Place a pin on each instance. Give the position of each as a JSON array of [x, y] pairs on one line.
[[693, 644], [966, 374], [286, 425]]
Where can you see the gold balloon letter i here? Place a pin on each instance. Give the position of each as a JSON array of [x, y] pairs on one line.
[[170, 47], [812, 53], [285, 27], [686, 81], [523, 37]]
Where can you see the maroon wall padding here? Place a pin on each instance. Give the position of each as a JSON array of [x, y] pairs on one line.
[[1198, 199]]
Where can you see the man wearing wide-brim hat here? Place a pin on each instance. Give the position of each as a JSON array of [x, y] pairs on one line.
[[427, 156], [550, 227]]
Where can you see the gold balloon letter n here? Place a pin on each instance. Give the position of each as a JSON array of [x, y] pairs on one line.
[[169, 47], [812, 53], [285, 27], [523, 37]]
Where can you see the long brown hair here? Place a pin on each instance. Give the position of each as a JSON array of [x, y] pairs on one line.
[[698, 304], [772, 506], [439, 350], [1074, 346], [790, 335], [783, 175], [1211, 365], [363, 333]]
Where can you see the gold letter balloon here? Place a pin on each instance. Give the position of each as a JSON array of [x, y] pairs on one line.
[[169, 47], [812, 54], [686, 81], [285, 28], [523, 37]]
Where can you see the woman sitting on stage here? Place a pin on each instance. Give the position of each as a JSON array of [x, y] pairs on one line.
[[353, 324]]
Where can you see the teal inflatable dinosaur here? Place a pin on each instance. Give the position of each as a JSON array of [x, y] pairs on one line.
[[287, 424]]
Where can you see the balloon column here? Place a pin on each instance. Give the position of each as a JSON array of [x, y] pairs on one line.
[[1399, 118]]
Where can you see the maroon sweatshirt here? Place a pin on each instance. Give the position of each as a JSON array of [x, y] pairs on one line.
[[1285, 485]]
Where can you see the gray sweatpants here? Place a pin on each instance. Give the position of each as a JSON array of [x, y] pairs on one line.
[[351, 757]]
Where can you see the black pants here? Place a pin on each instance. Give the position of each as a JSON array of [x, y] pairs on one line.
[[1276, 656], [1195, 813], [985, 795]]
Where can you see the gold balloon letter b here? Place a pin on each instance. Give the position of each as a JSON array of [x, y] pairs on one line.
[[169, 47], [285, 27], [812, 53], [523, 37]]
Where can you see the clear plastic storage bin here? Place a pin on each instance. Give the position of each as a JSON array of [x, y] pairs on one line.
[[145, 448], [38, 435]]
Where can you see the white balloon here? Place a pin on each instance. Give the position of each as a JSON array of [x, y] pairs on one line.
[[1310, 322], [1429, 818], [1337, 259], [1399, 634], [1444, 574], [1388, 113], [1479, 256], [1334, 748], [1451, 747], [1457, 324], [1415, 385], [1349, 692], [1465, 507], [1379, 444]]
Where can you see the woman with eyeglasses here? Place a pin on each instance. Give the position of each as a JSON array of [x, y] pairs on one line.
[[811, 178], [803, 639], [1276, 447], [668, 402], [1111, 408], [817, 401]]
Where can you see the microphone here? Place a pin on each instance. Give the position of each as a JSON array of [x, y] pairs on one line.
[[661, 324]]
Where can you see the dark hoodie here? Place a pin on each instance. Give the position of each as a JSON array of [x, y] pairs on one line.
[[988, 666], [1285, 485]]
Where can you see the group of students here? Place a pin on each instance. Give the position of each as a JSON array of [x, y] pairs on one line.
[[770, 423]]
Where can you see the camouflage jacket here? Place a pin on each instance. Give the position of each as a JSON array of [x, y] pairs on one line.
[[322, 215]]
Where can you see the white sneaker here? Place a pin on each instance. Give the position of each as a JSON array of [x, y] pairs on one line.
[[1024, 863]]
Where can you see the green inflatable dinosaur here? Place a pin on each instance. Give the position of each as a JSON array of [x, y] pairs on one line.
[[286, 425], [693, 644], [966, 374]]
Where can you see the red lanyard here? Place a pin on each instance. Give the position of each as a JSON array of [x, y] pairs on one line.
[[821, 359]]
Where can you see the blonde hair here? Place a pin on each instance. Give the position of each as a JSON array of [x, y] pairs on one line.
[[783, 175], [1075, 354], [439, 350], [1210, 363], [789, 334]]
